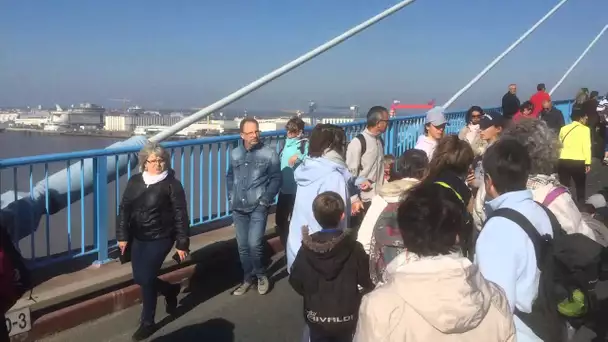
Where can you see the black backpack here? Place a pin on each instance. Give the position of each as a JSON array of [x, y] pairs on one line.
[[569, 265]]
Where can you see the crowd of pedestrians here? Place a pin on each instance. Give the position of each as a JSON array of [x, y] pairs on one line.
[[467, 237]]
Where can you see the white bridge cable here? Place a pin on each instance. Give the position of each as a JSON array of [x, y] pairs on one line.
[[277, 73], [502, 55], [580, 58]]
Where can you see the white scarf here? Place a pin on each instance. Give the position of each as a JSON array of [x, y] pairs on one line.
[[150, 179], [472, 133]]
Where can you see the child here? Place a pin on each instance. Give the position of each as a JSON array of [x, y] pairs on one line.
[[327, 272], [389, 168]]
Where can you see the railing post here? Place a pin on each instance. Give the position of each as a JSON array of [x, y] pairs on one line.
[[100, 209]]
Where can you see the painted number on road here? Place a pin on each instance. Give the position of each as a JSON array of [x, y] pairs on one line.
[[18, 321]]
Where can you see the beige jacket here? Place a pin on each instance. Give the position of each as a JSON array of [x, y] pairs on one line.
[[435, 299]]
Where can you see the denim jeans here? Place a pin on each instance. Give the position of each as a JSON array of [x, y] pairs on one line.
[[146, 259], [250, 229]]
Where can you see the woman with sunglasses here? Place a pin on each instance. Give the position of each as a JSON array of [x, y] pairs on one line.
[[471, 132]]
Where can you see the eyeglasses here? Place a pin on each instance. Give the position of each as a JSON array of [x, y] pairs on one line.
[[155, 161]]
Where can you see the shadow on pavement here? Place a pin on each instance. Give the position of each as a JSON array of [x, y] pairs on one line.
[[212, 278], [216, 330]]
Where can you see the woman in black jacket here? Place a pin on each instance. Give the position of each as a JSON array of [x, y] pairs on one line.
[[152, 217]]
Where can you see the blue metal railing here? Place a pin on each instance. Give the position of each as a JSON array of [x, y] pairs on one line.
[[88, 225]]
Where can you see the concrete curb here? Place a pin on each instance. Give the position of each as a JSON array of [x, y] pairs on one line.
[[105, 304]]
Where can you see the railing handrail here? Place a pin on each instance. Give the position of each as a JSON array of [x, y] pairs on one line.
[[77, 155]]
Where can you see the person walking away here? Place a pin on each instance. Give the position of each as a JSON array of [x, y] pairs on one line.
[[504, 252], [552, 116], [328, 271], [575, 157], [253, 180], [323, 170], [510, 102], [538, 98], [152, 217], [292, 154], [434, 129], [525, 112], [433, 293], [365, 158], [379, 233], [581, 97], [470, 132]]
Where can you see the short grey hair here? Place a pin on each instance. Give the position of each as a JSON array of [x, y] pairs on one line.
[[375, 115], [541, 142], [155, 149]]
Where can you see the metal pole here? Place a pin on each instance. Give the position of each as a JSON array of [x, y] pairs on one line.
[[276, 73], [580, 58], [502, 55]]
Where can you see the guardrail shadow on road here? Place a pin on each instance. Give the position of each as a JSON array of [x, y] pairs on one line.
[[216, 330], [221, 274]]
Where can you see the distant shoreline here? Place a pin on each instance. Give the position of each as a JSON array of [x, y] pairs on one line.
[[92, 134]]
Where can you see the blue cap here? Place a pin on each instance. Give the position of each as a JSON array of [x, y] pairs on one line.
[[490, 119]]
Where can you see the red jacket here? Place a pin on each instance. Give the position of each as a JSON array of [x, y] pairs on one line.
[[537, 100]]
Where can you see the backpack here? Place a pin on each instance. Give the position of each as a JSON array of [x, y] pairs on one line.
[[361, 139], [386, 242], [15, 278], [569, 265]]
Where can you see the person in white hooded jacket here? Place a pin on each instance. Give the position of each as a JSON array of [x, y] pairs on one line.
[[543, 147], [434, 129], [412, 166]]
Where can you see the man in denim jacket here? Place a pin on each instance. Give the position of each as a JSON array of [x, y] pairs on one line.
[[253, 181]]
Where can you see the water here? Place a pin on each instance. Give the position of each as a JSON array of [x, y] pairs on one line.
[[61, 236]]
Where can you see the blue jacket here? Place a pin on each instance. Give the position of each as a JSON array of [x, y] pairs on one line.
[[505, 254], [254, 177], [292, 147], [314, 176]]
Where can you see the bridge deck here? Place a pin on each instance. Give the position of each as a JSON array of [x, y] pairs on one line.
[[209, 312]]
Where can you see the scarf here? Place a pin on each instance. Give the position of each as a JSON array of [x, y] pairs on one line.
[[472, 133], [538, 181], [150, 179]]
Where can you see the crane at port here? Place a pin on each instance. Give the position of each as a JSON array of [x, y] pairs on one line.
[[398, 105]]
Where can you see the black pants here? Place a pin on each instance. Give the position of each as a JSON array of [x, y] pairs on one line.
[[4, 333], [573, 169], [321, 336], [146, 259], [356, 220], [285, 205]]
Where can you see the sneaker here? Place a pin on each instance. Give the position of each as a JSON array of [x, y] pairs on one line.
[[171, 299], [242, 289], [263, 285], [605, 161], [143, 332]]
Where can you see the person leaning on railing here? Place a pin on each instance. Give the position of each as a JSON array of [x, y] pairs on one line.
[[153, 216]]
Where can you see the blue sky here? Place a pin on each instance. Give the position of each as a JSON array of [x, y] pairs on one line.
[[189, 53]]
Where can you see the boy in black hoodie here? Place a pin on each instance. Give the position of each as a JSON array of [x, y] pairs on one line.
[[327, 272]]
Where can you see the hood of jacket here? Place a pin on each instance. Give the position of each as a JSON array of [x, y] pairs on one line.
[[391, 192], [314, 169], [327, 251], [447, 291]]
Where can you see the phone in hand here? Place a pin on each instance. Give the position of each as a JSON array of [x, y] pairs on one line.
[[177, 258]]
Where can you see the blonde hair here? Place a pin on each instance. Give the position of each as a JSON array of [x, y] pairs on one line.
[[155, 149]]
